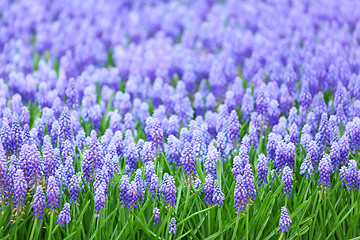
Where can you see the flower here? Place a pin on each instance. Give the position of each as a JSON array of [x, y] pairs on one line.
[[156, 212], [188, 160], [52, 193], [262, 169], [325, 169], [172, 226], [39, 202], [284, 221], [287, 178], [218, 196], [64, 215]]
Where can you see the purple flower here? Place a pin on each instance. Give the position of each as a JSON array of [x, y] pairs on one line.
[[140, 185], [188, 160], [247, 106], [74, 188], [52, 193], [168, 189], [66, 131], [147, 153], [39, 202], [124, 186], [271, 146], [132, 195], [154, 185], [240, 194], [20, 187], [198, 144], [172, 226], [221, 145], [352, 176], [218, 196], [307, 167], [262, 169], [72, 94], [99, 198], [154, 132], [261, 103], [64, 215], [199, 104], [211, 161], [156, 213], [284, 221], [208, 189], [249, 181], [325, 169], [173, 150], [287, 179], [234, 128]]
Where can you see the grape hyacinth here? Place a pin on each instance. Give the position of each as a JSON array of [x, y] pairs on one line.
[[64, 216], [156, 213], [284, 221], [287, 178], [39, 202], [172, 226], [52, 193], [218, 196], [188, 160]]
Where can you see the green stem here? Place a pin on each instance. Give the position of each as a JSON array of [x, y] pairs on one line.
[[51, 224], [220, 223], [317, 210], [247, 222], [209, 223], [33, 228], [185, 206], [282, 234], [236, 226]]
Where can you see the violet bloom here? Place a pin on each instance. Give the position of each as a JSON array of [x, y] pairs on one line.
[[147, 153], [74, 187], [287, 178], [173, 150], [132, 195], [284, 221], [208, 189], [124, 186], [99, 198], [188, 160], [172, 226], [52, 193], [211, 161], [154, 186], [352, 176], [168, 189], [154, 132], [240, 194], [198, 144], [262, 169], [156, 213], [20, 187], [218, 196], [64, 215], [249, 181], [39, 202], [325, 169], [234, 128], [307, 167], [140, 185]]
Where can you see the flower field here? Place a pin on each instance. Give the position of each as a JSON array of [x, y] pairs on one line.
[[155, 119]]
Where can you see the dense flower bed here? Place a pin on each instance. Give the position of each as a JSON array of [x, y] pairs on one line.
[[179, 119]]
